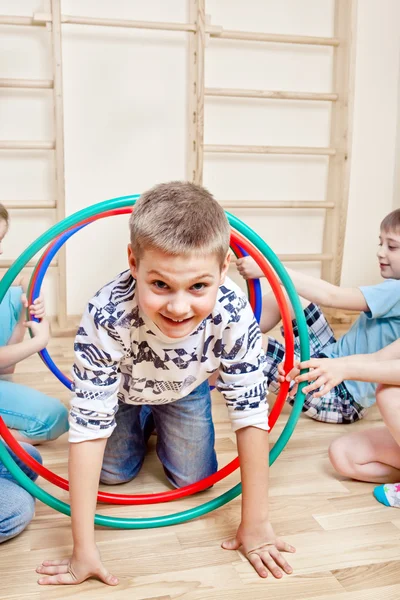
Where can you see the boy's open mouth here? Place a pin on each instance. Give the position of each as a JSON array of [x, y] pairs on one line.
[[176, 321]]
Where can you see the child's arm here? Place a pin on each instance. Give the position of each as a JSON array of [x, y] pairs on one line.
[[99, 349], [12, 354], [85, 460], [313, 289], [17, 349], [243, 384], [261, 546], [379, 367]]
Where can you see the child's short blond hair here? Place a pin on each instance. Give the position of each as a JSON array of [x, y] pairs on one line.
[[391, 222], [4, 216], [179, 218]]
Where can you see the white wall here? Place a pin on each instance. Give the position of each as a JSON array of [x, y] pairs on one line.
[[125, 105], [373, 184]]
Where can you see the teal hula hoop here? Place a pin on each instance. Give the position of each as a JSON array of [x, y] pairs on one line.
[[193, 513]]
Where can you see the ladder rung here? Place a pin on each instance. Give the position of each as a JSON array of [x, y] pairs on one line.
[[27, 204], [273, 95], [230, 149], [305, 257], [26, 83], [265, 204], [26, 145], [6, 264]]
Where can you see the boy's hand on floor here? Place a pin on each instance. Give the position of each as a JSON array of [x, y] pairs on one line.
[[262, 549], [248, 268], [75, 570]]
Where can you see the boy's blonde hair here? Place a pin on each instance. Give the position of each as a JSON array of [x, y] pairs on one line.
[[179, 218], [4, 216], [391, 222]]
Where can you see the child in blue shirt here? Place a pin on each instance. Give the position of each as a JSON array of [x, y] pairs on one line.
[[371, 455], [377, 326], [17, 506], [31, 416]]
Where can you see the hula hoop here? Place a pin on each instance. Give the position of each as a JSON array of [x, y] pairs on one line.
[[192, 488], [280, 443], [254, 286]]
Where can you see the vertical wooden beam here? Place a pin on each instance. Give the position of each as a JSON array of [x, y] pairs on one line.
[[191, 146], [341, 132], [56, 38], [196, 92]]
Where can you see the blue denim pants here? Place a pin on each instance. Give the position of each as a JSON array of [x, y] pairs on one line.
[[185, 440], [17, 507], [38, 417]]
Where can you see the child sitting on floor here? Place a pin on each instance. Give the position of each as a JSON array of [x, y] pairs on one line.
[[377, 326], [373, 454], [30, 415]]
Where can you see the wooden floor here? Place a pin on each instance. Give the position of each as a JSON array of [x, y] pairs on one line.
[[348, 545]]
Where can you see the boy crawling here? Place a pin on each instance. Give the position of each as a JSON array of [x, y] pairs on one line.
[[146, 346]]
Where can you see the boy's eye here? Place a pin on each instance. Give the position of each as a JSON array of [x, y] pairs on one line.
[[392, 247], [198, 286], [161, 285]]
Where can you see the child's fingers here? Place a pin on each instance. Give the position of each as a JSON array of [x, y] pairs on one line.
[[56, 570], [309, 376], [312, 363], [316, 385], [325, 389], [292, 374], [37, 309], [280, 560], [284, 546]]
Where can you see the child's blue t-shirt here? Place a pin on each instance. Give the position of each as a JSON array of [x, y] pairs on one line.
[[10, 310], [373, 330]]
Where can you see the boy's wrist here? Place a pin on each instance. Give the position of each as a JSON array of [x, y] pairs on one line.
[[256, 516], [254, 523], [83, 548]]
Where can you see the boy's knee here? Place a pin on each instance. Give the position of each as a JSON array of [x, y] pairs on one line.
[[181, 479], [339, 456], [387, 396], [109, 477]]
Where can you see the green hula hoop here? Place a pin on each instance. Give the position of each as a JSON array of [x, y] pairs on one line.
[[193, 513]]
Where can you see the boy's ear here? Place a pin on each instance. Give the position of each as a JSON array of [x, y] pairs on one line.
[[132, 262], [225, 267]]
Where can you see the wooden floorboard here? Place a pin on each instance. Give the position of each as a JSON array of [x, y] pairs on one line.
[[348, 545]]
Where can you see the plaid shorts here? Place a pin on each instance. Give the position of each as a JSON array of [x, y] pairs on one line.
[[338, 405]]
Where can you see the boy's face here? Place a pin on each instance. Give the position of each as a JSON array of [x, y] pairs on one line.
[[177, 292], [389, 254], [3, 231]]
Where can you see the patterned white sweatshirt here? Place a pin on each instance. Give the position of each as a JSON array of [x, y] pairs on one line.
[[122, 356]]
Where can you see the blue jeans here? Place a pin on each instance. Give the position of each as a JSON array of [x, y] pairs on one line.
[[38, 417], [17, 507], [185, 440]]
